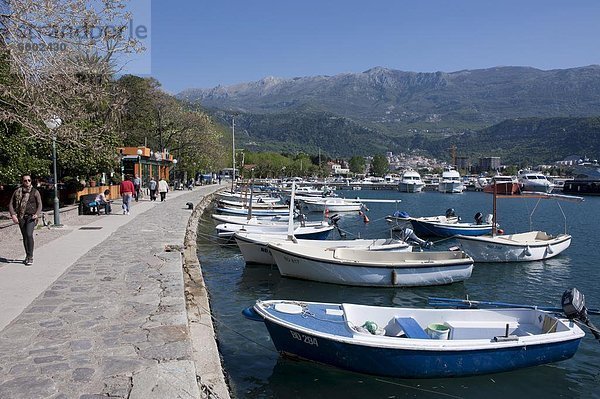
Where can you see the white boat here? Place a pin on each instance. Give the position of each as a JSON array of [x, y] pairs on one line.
[[245, 198], [411, 182], [450, 182], [255, 205], [254, 219], [254, 247], [335, 204], [315, 232], [418, 342], [520, 247], [534, 181], [361, 267]]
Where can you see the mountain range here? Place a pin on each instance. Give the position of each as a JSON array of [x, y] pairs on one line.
[[390, 110]]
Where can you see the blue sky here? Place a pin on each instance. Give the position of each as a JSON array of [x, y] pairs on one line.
[[198, 43]]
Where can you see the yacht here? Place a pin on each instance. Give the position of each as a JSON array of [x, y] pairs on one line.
[[505, 185], [534, 181], [451, 182], [411, 182]]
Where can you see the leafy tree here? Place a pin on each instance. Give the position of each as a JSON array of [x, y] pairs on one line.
[[380, 165], [357, 164]]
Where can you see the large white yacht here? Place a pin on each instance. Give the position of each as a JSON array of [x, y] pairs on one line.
[[411, 182], [534, 181], [451, 181]]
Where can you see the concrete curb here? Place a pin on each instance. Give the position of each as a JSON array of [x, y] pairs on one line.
[[205, 352]]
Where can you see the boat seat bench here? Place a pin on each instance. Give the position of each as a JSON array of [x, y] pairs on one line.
[[411, 328]]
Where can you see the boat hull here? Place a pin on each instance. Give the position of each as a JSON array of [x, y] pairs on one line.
[[257, 251], [451, 187], [488, 249], [410, 187], [503, 188], [301, 336], [401, 274], [425, 228]]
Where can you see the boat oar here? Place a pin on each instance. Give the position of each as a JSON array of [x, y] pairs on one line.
[[467, 303]]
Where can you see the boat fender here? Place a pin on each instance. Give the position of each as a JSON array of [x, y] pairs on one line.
[[527, 251], [500, 231], [373, 328], [365, 218], [549, 249]]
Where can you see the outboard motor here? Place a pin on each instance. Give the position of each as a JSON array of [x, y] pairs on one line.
[[450, 212], [478, 218], [302, 219], [334, 219], [407, 234], [573, 304]]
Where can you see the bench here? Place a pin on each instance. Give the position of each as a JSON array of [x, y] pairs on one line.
[[411, 328], [88, 205]]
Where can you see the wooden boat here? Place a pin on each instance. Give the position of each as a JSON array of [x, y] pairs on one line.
[[361, 267], [254, 247], [417, 343], [521, 247]]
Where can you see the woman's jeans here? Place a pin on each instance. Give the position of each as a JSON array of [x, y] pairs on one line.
[[27, 224]]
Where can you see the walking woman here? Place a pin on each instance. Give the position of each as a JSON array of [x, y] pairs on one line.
[[163, 188], [25, 207]]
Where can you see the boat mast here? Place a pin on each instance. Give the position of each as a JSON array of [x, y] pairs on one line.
[[494, 208], [233, 151]]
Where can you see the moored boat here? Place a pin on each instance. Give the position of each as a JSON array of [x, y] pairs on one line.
[[534, 181], [505, 185], [360, 267], [520, 247], [417, 343], [254, 247], [411, 182], [450, 182]]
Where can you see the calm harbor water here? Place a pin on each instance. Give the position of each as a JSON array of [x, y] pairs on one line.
[[256, 370]]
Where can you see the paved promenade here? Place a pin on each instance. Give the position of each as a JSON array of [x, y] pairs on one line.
[[102, 311]]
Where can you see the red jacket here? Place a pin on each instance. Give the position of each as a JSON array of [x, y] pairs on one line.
[[126, 187]]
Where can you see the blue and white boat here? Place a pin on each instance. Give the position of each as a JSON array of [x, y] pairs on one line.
[[417, 343], [448, 226]]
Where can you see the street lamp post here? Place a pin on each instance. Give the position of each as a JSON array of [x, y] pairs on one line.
[[174, 175], [52, 124], [139, 154]]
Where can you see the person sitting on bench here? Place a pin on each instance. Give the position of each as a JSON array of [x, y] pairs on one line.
[[101, 200]]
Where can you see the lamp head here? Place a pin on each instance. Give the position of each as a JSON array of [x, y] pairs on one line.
[[53, 122]]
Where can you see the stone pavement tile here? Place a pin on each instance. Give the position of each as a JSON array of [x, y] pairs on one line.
[[164, 381]]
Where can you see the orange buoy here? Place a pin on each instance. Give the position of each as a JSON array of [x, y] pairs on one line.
[[365, 218]]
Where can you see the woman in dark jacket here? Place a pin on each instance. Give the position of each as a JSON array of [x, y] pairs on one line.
[[25, 207]]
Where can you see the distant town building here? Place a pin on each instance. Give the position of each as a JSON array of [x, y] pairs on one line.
[[462, 163], [489, 163]]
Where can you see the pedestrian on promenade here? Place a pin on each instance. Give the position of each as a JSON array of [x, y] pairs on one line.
[[137, 184], [219, 179], [25, 207], [152, 186], [126, 191], [101, 200], [163, 188]]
